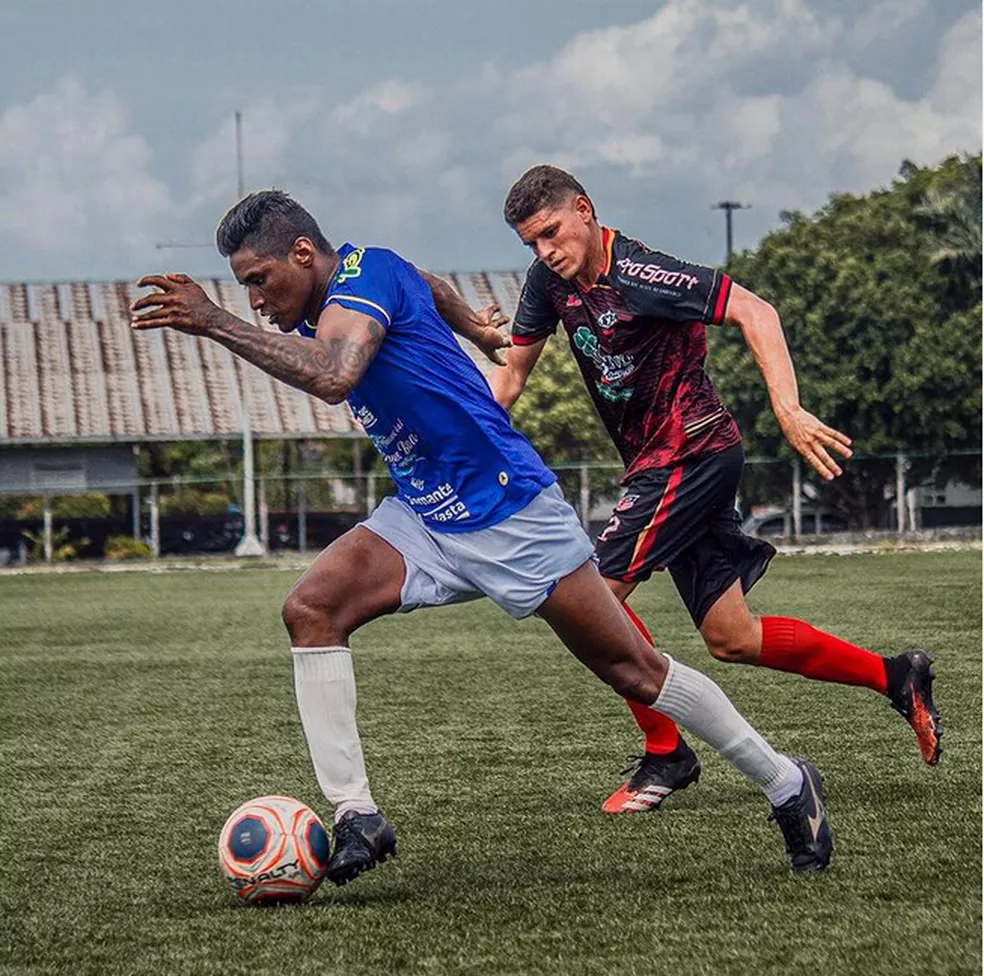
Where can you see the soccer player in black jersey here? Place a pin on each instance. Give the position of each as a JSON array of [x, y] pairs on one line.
[[635, 319]]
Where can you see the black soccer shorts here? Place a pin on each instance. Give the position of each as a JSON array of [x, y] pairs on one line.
[[683, 519]]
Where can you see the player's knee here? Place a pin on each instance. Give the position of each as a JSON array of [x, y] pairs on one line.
[[730, 646], [635, 680], [305, 612]]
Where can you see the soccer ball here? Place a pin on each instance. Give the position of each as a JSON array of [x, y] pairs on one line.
[[273, 850]]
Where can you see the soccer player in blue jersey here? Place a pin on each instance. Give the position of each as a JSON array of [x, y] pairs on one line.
[[477, 513]]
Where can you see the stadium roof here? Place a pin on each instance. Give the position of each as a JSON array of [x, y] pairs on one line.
[[72, 371]]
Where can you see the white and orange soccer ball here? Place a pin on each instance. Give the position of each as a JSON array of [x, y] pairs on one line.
[[273, 850]]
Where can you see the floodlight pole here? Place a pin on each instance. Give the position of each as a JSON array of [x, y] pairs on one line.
[[729, 206], [240, 181], [249, 544]]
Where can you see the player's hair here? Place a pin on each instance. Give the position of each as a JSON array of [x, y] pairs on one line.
[[267, 222], [540, 187]]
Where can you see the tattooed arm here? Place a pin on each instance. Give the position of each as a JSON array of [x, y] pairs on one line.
[[328, 366]]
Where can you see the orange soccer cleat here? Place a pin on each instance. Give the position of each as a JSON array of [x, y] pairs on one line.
[[653, 779], [911, 695]]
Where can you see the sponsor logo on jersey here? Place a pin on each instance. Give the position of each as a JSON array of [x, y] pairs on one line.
[[613, 369], [440, 494], [573, 301], [365, 417], [613, 526], [626, 502], [614, 393], [397, 449], [350, 265], [607, 322], [656, 275]]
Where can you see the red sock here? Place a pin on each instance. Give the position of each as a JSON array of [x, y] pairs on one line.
[[792, 645], [662, 735]]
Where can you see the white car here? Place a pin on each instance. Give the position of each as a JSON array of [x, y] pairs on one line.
[[779, 522]]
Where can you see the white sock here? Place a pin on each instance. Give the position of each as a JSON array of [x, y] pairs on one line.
[[692, 700], [324, 683]]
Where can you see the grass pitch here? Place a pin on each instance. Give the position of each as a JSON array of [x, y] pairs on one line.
[[139, 709]]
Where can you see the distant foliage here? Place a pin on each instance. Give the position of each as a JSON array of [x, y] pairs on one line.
[[120, 547], [193, 501], [884, 329], [62, 550], [556, 413], [67, 506], [952, 212]]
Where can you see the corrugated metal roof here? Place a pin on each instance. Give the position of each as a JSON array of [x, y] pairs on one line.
[[72, 370]]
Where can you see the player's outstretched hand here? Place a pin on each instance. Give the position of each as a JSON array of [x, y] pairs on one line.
[[812, 439], [492, 341], [179, 303]]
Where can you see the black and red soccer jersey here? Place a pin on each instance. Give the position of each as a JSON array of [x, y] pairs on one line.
[[640, 341]]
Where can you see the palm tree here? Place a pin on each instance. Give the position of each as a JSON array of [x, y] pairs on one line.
[[954, 216]]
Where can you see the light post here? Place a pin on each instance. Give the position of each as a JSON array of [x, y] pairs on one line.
[[729, 206]]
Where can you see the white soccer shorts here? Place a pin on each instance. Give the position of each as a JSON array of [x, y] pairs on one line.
[[516, 563]]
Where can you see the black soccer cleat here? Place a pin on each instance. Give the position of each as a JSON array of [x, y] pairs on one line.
[[362, 840], [654, 778], [910, 690], [803, 822]]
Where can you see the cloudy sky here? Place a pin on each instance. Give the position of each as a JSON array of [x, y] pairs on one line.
[[404, 123]]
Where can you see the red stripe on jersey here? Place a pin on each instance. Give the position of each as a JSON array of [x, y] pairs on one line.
[[647, 537], [607, 245], [607, 242], [520, 340], [724, 291]]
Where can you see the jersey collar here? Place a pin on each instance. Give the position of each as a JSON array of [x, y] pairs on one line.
[[608, 243]]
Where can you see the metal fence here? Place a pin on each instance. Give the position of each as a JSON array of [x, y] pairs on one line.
[[900, 494]]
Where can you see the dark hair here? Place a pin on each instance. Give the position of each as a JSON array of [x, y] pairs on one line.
[[267, 222], [539, 187]]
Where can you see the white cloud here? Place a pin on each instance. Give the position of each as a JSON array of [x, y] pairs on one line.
[[956, 91], [774, 102], [390, 97], [271, 127], [749, 93], [72, 175], [884, 17]]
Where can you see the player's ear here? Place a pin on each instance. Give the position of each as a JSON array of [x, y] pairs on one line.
[[584, 208], [303, 252]]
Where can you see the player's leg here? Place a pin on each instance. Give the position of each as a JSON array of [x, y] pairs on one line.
[[643, 532], [662, 737], [667, 763], [724, 565], [358, 577], [539, 561], [589, 620]]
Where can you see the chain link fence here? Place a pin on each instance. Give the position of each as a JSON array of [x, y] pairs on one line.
[[908, 495]]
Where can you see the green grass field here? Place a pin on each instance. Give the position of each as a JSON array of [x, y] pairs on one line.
[[138, 709]]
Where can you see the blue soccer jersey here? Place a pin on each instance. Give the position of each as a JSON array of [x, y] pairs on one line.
[[450, 449]]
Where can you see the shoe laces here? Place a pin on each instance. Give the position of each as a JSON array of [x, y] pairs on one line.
[[635, 763], [347, 829]]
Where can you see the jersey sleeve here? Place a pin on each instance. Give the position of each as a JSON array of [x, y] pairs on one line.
[[535, 318], [664, 287], [369, 281]]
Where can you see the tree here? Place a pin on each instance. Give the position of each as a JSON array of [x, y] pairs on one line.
[[953, 213], [556, 413], [885, 339]]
